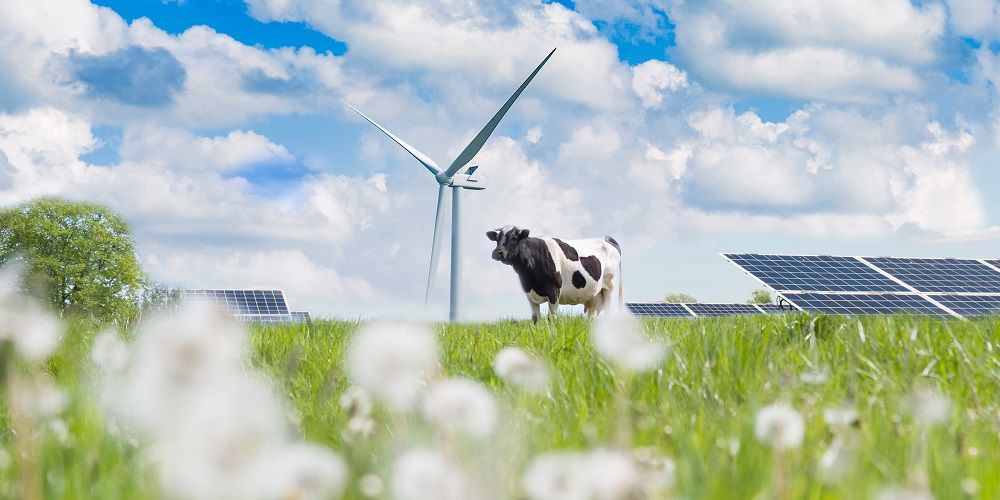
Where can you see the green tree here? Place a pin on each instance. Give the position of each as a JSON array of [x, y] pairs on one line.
[[760, 297], [680, 298], [81, 254]]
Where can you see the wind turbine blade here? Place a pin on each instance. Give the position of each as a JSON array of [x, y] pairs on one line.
[[484, 134], [422, 158], [435, 243]]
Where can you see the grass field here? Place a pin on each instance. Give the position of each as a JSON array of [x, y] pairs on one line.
[[926, 391]]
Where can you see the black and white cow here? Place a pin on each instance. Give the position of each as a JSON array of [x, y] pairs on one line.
[[561, 272]]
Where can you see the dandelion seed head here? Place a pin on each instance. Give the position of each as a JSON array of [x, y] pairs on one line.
[[356, 402], [557, 476], [393, 362], [461, 406], [109, 352], [614, 475], [359, 427], [622, 340], [840, 418], [930, 407], [515, 366], [371, 486], [424, 474], [779, 426], [31, 328], [38, 398], [301, 471]]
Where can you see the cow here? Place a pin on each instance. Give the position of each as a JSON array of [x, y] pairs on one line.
[[561, 272]]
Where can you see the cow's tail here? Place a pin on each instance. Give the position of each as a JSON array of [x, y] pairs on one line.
[[621, 289]]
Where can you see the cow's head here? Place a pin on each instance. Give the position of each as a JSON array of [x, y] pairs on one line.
[[507, 238]]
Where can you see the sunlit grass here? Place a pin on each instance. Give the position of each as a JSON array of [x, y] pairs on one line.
[[698, 407]]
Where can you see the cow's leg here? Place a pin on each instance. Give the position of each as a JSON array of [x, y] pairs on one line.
[[588, 308], [535, 311], [553, 308], [600, 301]]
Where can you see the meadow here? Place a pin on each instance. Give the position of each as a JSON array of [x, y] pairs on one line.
[[890, 407]]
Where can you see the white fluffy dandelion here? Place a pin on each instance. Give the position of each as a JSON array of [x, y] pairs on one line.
[[301, 471], [109, 352], [394, 362], [615, 475], [622, 340], [557, 476], [515, 366], [840, 418], [930, 406], [461, 406], [423, 474], [780, 426], [836, 461]]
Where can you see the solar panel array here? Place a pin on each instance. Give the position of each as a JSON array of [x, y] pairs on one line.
[[857, 303], [941, 275], [879, 285], [722, 309], [657, 309], [690, 310], [254, 306], [809, 273]]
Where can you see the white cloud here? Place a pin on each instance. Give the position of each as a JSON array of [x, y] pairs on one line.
[[652, 76], [854, 51], [180, 149], [978, 18]]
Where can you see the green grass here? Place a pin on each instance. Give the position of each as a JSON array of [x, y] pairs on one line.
[[697, 408]]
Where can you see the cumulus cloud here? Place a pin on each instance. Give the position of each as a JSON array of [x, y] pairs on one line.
[[651, 77], [853, 51], [181, 149], [977, 18]]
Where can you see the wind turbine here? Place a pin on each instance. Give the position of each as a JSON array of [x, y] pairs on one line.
[[450, 178]]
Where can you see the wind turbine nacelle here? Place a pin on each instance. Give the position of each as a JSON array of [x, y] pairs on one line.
[[466, 181]]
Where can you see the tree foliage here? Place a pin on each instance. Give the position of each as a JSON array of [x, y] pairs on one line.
[[82, 255], [760, 297], [680, 298]]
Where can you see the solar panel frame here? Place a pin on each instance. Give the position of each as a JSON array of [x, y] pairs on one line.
[[814, 273], [971, 305], [864, 303], [722, 309], [661, 309], [941, 275]]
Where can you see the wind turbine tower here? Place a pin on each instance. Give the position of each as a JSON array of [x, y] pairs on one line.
[[450, 178]]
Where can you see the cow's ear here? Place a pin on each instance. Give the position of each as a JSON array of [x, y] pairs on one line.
[[524, 233], [492, 235]]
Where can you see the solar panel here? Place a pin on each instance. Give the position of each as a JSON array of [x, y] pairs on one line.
[[657, 309], [814, 273], [994, 263], [941, 275], [722, 309], [300, 316], [243, 302], [855, 303], [971, 305]]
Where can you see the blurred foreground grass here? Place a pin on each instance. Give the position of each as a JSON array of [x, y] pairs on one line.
[[697, 408]]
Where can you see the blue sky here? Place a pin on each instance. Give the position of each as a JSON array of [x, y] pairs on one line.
[[684, 129]]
